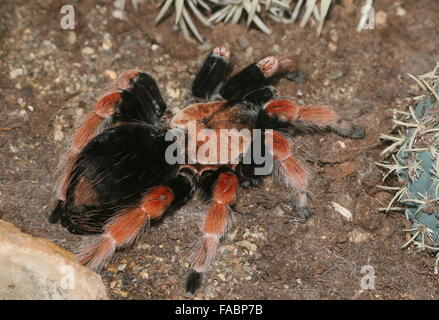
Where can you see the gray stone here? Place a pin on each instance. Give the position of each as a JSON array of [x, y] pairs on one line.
[[36, 269]]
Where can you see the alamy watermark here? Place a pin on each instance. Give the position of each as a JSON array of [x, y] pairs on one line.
[[219, 147], [367, 20], [367, 282], [68, 21], [68, 278]]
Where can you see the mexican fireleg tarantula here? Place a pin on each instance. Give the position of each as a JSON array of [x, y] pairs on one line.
[[115, 177]]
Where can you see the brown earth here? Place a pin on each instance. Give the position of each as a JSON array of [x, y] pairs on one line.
[[49, 76]]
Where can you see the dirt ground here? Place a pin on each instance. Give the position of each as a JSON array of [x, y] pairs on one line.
[[50, 76]]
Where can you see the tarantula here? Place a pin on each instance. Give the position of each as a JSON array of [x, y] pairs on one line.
[[116, 176]]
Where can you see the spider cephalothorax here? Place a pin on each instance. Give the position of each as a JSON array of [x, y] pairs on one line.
[[117, 174]]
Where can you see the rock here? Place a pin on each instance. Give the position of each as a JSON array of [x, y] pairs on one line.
[[278, 211], [71, 38], [381, 18], [297, 76], [247, 244], [334, 75], [401, 12], [333, 35], [87, 51], [107, 43], [332, 46], [15, 73], [36, 269], [58, 135], [159, 69], [110, 75]]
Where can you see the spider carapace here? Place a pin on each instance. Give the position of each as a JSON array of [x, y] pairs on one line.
[[116, 175]]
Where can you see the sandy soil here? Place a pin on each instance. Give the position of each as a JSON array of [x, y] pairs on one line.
[[50, 76]]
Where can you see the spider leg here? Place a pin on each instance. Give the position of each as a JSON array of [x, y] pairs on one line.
[[261, 96], [125, 227], [134, 96], [290, 171], [308, 117], [255, 76], [141, 101], [111, 172], [223, 195], [211, 74]]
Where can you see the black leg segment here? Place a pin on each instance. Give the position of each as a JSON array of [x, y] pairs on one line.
[[142, 102], [211, 74], [261, 96]]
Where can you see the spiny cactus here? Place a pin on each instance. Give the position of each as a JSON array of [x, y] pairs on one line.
[[183, 10], [231, 11], [415, 155], [209, 12]]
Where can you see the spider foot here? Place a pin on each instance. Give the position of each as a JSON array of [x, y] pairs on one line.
[[357, 133], [269, 66], [193, 281], [345, 129], [223, 52], [211, 74]]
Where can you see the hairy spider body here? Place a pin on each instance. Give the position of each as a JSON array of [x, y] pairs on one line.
[[115, 177]]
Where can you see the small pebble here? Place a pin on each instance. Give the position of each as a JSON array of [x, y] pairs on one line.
[[159, 69], [247, 244], [296, 76], [121, 293], [381, 18], [119, 14], [15, 73], [106, 43], [173, 93], [111, 269], [334, 75], [332, 46], [110, 75], [71, 38], [401, 12], [88, 51], [333, 35], [122, 267], [278, 211], [58, 135]]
